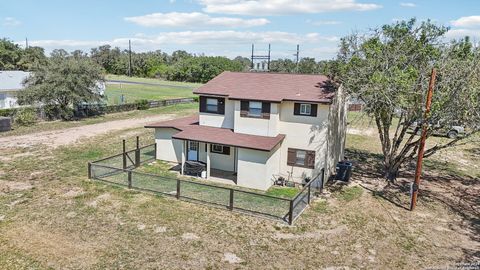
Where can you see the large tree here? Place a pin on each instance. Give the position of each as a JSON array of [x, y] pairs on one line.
[[389, 70], [63, 82]]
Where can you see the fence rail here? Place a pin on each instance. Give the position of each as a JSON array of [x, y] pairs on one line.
[[120, 170]]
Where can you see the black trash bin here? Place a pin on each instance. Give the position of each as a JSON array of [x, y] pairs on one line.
[[344, 170]]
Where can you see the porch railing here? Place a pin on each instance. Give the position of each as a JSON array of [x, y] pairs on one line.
[[120, 170]]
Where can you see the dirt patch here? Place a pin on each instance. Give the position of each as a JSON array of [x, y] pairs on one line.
[[74, 192], [231, 258], [190, 236], [102, 198], [311, 235], [12, 186], [70, 135]]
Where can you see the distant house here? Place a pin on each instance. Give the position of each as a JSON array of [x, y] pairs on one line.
[[254, 128], [10, 83]]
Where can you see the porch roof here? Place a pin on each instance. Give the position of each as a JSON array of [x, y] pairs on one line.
[[189, 129]]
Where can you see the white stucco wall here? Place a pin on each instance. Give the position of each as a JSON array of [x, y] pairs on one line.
[[303, 132], [8, 100], [218, 161], [168, 149], [257, 126], [218, 120], [256, 169]]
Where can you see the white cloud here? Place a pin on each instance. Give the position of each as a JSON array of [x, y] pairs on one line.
[[9, 21], [467, 21], [276, 7], [194, 19], [461, 33], [408, 4], [205, 38], [322, 22]]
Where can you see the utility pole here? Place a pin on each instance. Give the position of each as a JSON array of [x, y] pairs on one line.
[[297, 57], [421, 149], [129, 58], [268, 61], [252, 65], [26, 43]]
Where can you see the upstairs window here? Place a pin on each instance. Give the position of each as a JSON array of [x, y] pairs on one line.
[[212, 105], [255, 108], [305, 109]]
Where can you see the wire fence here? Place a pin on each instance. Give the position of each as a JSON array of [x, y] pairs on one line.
[[120, 170]]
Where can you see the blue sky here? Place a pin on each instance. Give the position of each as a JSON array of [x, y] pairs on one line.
[[220, 27]]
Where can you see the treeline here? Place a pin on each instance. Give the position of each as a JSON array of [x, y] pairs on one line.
[[178, 66]]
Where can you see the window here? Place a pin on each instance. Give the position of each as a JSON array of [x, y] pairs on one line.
[[217, 148], [305, 109], [212, 105], [255, 108], [301, 158], [193, 146], [220, 149]]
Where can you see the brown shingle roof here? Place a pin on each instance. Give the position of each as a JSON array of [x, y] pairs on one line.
[[190, 130], [274, 87]]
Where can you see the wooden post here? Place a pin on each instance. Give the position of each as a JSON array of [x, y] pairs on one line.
[[178, 189], [155, 147], [89, 170], [208, 160], [421, 148], [308, 196], [129, 179], [137, 153], [230, 206], [124, 155], [184, 149], [290, 213]]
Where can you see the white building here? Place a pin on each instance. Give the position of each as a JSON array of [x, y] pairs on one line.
[[253, 128], [10, 83]]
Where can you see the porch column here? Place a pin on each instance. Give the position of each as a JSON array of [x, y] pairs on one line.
[[184, 148], [208, 160]]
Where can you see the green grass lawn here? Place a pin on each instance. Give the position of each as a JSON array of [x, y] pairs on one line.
[[133, 92], [150, 80]]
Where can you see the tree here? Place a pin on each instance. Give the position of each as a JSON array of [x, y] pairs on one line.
[[283, 65], [307, 65], [10, 54], [389, 70], [202, 68], [62, 83]]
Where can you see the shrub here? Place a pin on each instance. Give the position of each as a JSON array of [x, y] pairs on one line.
[[143, 104], [26, 117], [196, 99], [8, 112]]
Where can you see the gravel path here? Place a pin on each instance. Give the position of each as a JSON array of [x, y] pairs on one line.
[[67, 136]]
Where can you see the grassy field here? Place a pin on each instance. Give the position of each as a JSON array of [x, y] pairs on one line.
[[132, 92], [53, 217], [180, 109], [150, 80]]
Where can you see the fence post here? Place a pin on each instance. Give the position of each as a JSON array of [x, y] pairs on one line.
[[178, 189], [129, 179], [155, 147], [230, 206], [290, 213], [308, 196], [137, 153], [89, 170], [124, 156]]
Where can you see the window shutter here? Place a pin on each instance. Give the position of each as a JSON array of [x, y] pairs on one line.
[[266, 110], [226, 150], [296, 109], [310, 159], [221, 105], [203, 103], [291, 157], [314, 110], [243, 108]]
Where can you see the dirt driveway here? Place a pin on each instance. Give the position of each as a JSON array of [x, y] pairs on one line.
[[61, 137]]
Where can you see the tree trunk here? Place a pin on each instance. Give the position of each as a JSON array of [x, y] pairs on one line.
[[391, 173]]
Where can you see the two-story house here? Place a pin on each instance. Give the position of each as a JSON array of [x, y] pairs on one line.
[[256, 127]]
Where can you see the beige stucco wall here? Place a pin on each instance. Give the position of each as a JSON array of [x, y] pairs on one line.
[[218, 161], [303, 132], [168, 149], [255, 168], [218, 120], [257, 126]]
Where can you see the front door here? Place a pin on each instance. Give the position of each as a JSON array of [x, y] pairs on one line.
[[192, 150]]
